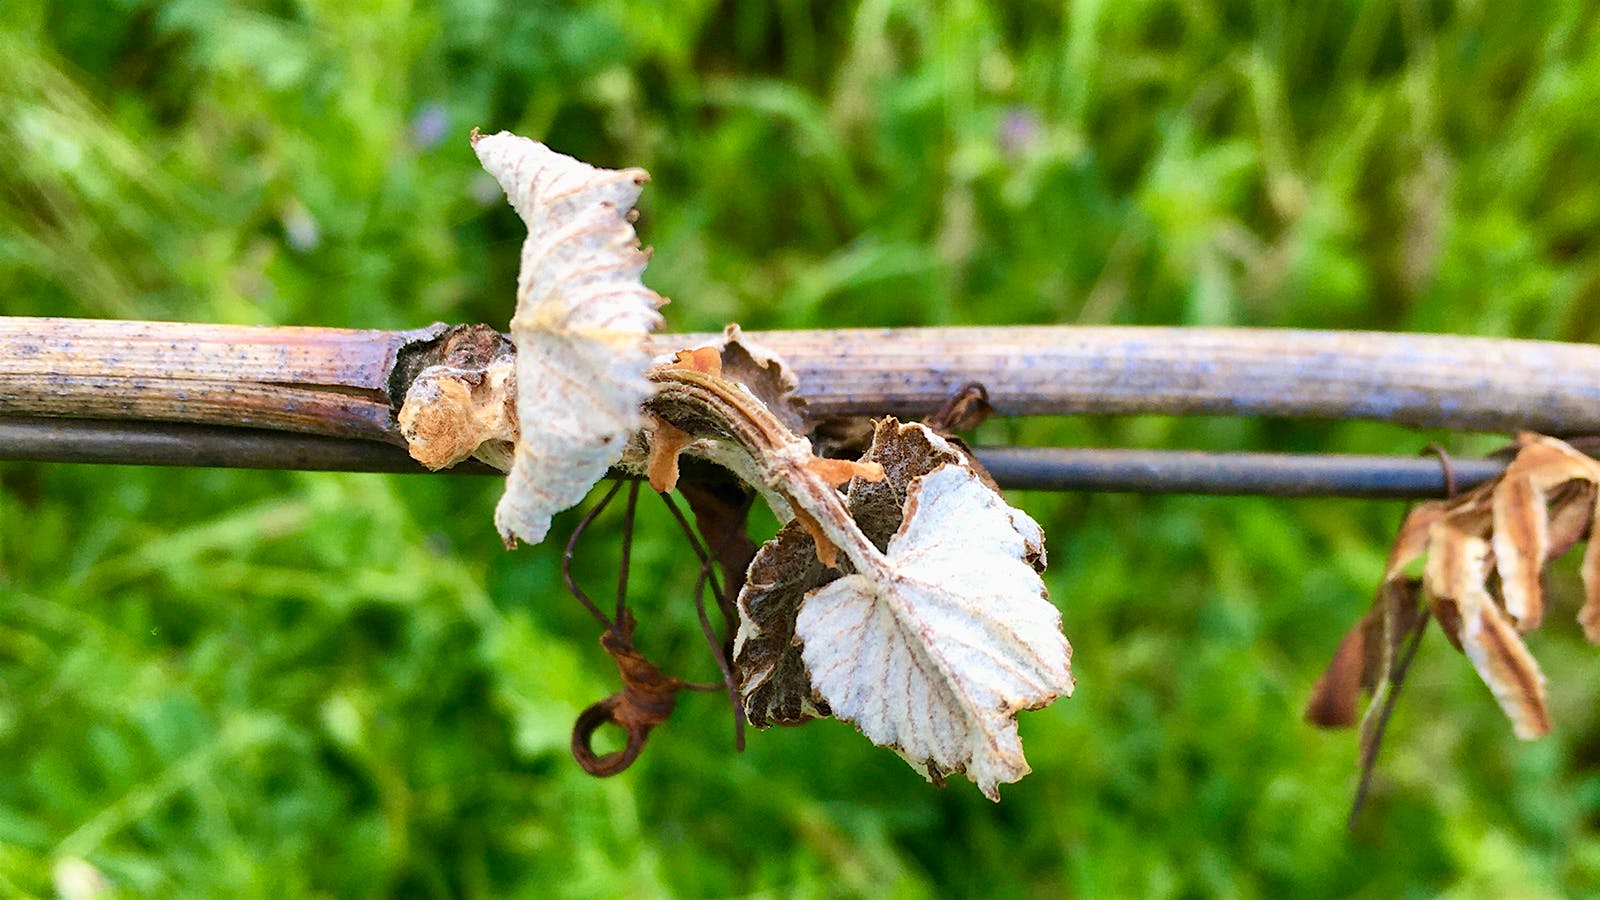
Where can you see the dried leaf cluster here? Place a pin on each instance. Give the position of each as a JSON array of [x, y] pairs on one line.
[[1485, 552], [909, 604]]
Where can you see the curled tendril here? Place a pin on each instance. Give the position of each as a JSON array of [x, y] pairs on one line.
[[648, 695], [646, 700]]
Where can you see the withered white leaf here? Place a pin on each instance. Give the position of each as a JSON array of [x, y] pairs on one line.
[[776, 687], [934, 647], [580, 321]]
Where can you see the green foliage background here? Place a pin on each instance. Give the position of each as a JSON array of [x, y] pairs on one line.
[[244, 684]]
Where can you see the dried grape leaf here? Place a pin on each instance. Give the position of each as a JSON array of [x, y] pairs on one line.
[[936, 653], [777, 689], [1456, 575], [968, 617], [1521, 527], [1486, 552], [580, 321]]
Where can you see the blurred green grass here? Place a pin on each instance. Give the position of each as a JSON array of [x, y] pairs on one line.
[[270, 684]]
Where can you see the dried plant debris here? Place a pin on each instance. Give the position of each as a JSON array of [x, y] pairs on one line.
[[931, 648], [922, 619], [1485, 551], [910, 604], [580, 321]]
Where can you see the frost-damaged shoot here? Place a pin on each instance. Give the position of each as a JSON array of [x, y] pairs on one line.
[[902, 594]]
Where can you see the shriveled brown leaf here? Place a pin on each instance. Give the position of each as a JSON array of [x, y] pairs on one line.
[[1403, 614], [1485, 552], [1458, 569], [1503, 660], [774, 682], [903, 451], [1571, 512], [1521, 529], [1412, 542], [1404, 619], [1521, 535], [1337, 694], [1366, 659], [827, 552]]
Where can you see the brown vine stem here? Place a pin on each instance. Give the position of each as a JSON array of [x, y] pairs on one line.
[[343, 381], [327, 381]]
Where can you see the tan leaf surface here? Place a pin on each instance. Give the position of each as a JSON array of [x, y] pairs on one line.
[[774, 683], [1458, 568], [581, 316], [937, 649], [1521, 528]]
